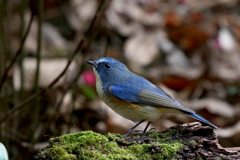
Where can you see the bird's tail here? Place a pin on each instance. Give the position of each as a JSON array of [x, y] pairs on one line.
[[196, 116]]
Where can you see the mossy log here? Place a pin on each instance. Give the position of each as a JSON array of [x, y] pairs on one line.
[[187, 141]]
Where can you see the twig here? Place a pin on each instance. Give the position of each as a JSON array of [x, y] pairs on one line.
[[39, 43], [101, 8], [18, 53], [36, 108]]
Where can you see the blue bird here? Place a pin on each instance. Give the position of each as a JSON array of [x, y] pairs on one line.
[[134, 97]]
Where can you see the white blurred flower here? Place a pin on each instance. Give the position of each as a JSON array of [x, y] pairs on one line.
[[3, 152]]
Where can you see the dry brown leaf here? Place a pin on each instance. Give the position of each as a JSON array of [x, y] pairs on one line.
[[188, 36], [49, 70], [127, 17], [230, 131], [214, 106], [141, 49]]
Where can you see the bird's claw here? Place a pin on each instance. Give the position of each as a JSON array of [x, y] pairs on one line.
[[132, 131]]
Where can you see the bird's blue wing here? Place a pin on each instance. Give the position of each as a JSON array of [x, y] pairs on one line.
[[142, 95], [125, 93]]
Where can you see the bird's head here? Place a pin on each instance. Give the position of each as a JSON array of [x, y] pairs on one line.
[[109, 69]]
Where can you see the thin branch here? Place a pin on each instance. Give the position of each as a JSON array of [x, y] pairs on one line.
[[18, 53], [36, 108], [98, 16], [39, 43]]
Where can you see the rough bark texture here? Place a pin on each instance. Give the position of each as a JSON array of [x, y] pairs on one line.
[[195, 141], [207, 146]]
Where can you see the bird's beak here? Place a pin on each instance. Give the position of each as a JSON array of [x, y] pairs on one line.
[[93, 63]]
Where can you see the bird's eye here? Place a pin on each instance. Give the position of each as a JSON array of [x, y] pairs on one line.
[[107, 65]]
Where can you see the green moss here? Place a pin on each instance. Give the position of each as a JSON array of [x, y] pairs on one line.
[[192, 142], [61, 154], [89, 145]]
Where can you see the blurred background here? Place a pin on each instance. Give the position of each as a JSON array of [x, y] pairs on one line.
[[189, 48]]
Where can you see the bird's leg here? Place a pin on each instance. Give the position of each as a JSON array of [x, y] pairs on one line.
[[131, 130], [146, 127]]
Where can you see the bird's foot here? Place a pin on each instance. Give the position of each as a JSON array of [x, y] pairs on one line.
[[153, 129], [132, 131]]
